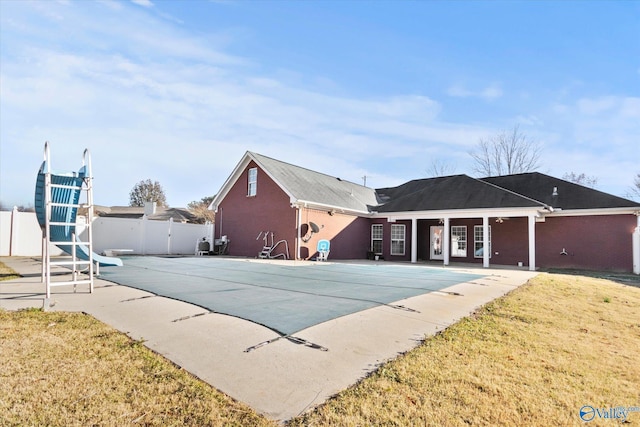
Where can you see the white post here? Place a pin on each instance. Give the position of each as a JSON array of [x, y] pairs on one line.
[[414, 240], [170, 225], [446, 241], [13, 230], [532, 242], [143, 235], [636, 246], [485, 242]]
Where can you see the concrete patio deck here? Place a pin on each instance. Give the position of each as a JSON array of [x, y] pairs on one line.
[[283, 378]]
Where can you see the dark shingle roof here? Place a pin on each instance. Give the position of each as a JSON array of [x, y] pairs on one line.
[[450, 192], [540, 187]]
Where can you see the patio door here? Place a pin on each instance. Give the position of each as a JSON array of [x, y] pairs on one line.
[[437, 240]]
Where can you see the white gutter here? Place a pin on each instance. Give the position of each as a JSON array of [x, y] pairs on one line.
[[307, 204], [591, 212], [299, 237]]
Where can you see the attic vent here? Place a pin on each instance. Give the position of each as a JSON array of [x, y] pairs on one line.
[[555, 191]]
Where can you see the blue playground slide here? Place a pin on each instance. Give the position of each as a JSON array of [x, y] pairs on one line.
[[69, 195]]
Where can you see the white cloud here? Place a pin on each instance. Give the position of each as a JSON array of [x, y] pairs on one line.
[[143, 3], [488, 93], [594, 106], [597, 136], [164, 105], [152, 101]]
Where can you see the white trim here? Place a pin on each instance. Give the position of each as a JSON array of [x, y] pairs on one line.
[[594, 212], [321, 206], [403, 240], [532, 242], [381, 239], [463, 213], [414, 240], [466, 241], [486, 246], [252, 190], [447, 241]]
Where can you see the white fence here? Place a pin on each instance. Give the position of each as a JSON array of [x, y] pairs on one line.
[[147, 237], [20, 235]]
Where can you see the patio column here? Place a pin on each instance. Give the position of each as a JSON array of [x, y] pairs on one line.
[[485, 242], [635, 247], [446, 241], [532, 242], [414, 240]]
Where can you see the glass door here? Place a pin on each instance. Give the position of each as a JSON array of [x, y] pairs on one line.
[[437, 240]]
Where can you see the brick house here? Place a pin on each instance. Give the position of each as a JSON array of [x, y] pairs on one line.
[[531, 220]]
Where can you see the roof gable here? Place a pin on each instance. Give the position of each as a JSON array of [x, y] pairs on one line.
[[568, 195], [306, 186]]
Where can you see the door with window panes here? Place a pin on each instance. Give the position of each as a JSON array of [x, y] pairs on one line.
[[437, 240]]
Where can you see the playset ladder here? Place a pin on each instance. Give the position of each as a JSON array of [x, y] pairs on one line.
[[82, 271]]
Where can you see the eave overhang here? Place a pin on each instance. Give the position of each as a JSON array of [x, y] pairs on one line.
[[537, 211]]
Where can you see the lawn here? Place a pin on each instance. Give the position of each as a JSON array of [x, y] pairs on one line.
[[533, 357]]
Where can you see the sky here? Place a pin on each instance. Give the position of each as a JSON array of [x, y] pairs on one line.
[[178, 91]]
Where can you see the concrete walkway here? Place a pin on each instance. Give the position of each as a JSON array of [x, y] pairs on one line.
[[281, 379]]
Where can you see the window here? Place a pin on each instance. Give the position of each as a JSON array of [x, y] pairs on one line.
[[459, 240], [397, 239], [376, 239], [478, 242], [252, 187]]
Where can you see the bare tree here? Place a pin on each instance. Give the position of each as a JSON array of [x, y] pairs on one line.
[[440, 168], [582, 179], [634, 192], [21, 208], [506, 153], [147, 191], [201, 210]]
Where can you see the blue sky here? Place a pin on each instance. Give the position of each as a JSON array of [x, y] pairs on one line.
[[177, 91]]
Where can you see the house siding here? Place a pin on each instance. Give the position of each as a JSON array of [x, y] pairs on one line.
[[348, 234], [386, 239], [510, 241], [243, 218], [599, 242], [593, 241]]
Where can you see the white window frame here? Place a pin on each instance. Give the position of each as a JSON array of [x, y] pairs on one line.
[[458, 231], [478, 241], [398, 236], [252, 182], [377, 235]]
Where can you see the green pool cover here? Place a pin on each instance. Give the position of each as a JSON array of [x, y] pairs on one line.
[[286, 298]]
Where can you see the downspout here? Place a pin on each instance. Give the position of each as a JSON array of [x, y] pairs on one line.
[[298, 226]]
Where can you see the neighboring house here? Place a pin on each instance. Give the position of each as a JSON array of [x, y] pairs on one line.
[[151, 211], [530, 219]]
